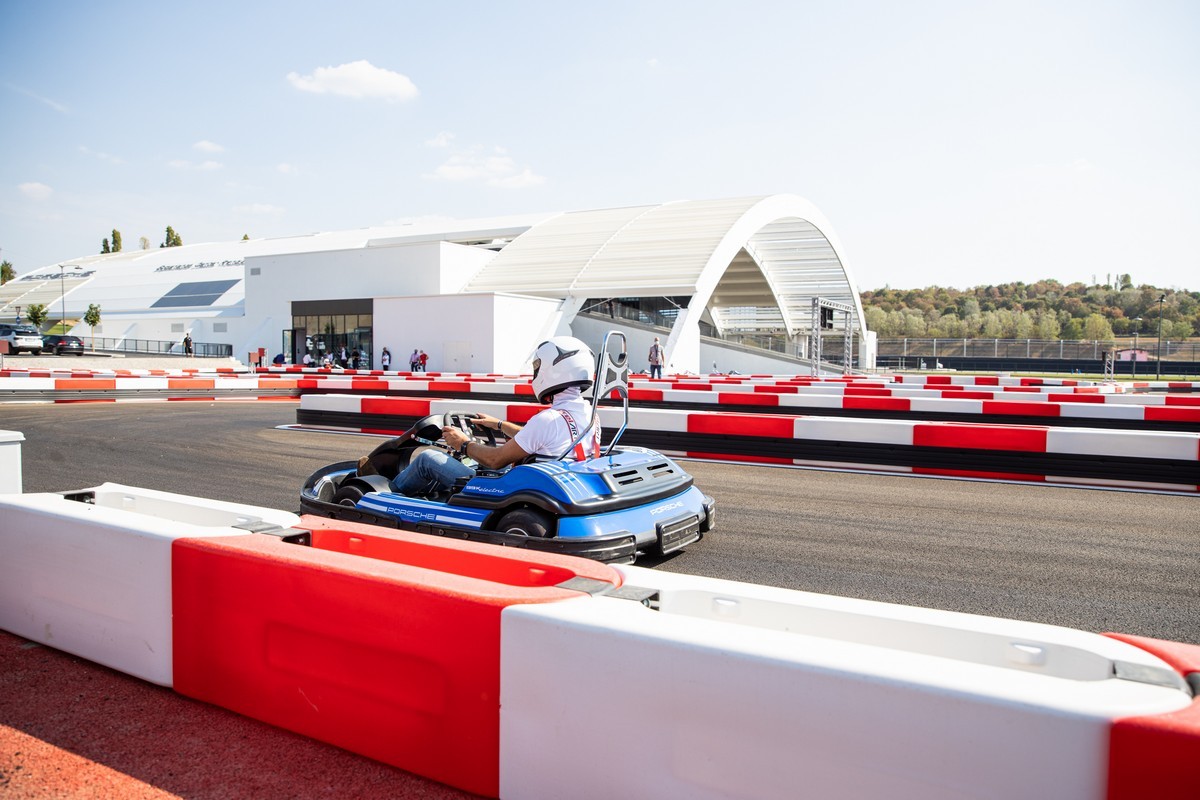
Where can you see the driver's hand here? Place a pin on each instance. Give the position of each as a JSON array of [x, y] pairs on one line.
[[485, 421], [454, 437]]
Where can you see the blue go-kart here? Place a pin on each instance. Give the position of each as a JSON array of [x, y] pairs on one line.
[[625, 502]]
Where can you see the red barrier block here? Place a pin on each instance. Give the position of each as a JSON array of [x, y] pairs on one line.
[[1156, 756], [878, 403], [693, 387], [523, 388], [861, 391], [1172, 413], [308, 383], [987, 380], [1075, 397], [778, 389], [1028, 439], [450, 386], [190, 383], [367, 385], [980, 474], [746, 399], [1021, 409], [384, 643], [935, 380], [84, 383], [395, 406], [967, 395], [523, 413], [652, 395], [1182, 400], [743, 425]]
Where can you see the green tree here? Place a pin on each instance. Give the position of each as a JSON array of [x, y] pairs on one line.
[[7, 273], [245, 237], [1096, 327], [173, 239], [104, 247], [36, 314], [92, 318], [116, 241]]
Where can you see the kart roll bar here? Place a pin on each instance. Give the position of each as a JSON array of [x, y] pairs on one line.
[[612, 375]]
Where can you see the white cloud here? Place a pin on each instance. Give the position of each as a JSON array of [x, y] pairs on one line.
[[359, 80], [443, 139], [203, 166], [495, 169], [87, 151], [286, 169], [259, 209], [59, 107], [36, 191], [205, 146], [652, 63]]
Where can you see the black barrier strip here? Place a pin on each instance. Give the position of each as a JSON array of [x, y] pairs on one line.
[[1067, 465]]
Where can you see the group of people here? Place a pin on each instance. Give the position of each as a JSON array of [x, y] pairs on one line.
[[417, 360]]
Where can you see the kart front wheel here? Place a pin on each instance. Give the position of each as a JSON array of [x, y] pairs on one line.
[[527, 522]]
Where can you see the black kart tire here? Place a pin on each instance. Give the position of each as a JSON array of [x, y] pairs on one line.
[[528, 522], [348, 495]]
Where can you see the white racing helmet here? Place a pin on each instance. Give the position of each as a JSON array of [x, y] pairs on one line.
[[560, 363]]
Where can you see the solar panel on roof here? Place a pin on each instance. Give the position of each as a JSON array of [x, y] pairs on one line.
[[196, 293]]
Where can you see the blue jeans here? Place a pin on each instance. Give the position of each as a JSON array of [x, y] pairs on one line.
[[656, 370], [432, 470]]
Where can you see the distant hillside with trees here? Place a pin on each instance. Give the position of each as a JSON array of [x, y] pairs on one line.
[[1043, 310]]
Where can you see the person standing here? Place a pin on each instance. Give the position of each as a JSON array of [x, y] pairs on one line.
[[423, 359], [386, 359], [414, 361], [656, 359], [187, 344]]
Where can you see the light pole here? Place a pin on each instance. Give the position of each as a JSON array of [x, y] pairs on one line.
[[1158, 361], [1136, 331], [62, 299]]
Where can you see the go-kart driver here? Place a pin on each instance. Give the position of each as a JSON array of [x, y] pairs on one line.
[[562, 369]]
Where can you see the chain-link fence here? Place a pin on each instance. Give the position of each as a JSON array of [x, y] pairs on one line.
[[1143, 348]]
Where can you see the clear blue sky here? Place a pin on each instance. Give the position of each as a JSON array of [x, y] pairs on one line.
[[957, 143]]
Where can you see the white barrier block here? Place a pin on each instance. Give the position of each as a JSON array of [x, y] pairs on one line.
[[1102, 411], [1134, 444], [140, 383], [10, 462], [94, 579], [876, 431], [344, 403], [954, 405], [735, 690], [811, 400]]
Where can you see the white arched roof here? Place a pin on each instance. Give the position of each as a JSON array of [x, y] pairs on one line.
[[754, 262]]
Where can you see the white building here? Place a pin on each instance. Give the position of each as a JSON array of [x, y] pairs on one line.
[[720, 281]]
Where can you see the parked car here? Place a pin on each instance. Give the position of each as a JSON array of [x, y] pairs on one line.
[[21, 338], [59, 344]]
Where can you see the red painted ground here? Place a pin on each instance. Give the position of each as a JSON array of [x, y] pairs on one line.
[[73, 729]]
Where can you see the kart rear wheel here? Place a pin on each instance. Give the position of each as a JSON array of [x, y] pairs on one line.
[[348, 495], [527, 522]]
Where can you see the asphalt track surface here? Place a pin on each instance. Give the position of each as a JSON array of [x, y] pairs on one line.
[[1082, 558]]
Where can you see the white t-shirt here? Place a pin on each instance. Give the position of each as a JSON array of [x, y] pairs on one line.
[[549, 434]]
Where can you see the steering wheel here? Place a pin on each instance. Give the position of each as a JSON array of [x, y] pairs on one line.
[[456, 419]]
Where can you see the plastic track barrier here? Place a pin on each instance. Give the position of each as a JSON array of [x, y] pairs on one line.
[[384, 643], [89, 572], [1092, 456], [719, 689], [1157, 756]]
